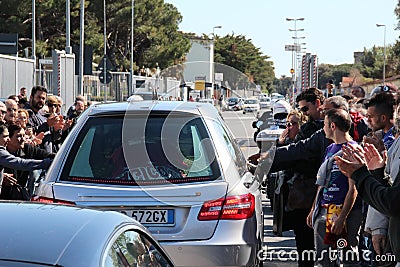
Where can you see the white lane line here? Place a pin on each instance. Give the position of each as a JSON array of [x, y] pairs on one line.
[[235, 118]]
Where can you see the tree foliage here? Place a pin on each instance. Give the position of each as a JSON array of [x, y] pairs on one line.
[[335, 73], [240, 53], [282, 85], [369, 67], [156, 35]]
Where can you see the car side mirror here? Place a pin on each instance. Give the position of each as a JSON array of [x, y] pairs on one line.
[[254, 124]]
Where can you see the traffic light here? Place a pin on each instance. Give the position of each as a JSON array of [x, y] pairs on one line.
[[292, 71]]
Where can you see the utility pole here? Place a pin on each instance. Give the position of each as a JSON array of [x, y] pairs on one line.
[[105, 51], [68, 48], [34, 40], [131, 89], [384, 51], [212, 69], [81, 47]]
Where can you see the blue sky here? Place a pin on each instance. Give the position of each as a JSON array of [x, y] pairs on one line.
[[333, 29]]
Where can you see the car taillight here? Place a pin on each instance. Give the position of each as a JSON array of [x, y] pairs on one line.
[[51, 200], [229, 208]]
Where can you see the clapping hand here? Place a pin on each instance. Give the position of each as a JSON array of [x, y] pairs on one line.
[[375, 140], [354, 153], [352, 159], [67, 124], [373, 158], [59, 123], [37, 139]]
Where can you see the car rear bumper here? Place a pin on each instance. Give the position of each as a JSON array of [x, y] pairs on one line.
[[202, 253], [234, 243], [251, 109]]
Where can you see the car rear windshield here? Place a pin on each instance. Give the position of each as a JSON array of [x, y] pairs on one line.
[[142, 150], [250, 101]]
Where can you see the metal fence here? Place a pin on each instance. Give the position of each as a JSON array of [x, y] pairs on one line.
[[15, 73], [117, 89]]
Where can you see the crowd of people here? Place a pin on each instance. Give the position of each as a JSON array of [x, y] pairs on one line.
[[338, 156], [32, 130], [332, 186]]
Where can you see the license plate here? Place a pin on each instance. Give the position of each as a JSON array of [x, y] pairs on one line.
[[154, 216]]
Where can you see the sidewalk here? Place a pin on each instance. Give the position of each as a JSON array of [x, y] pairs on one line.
[[281, 247]]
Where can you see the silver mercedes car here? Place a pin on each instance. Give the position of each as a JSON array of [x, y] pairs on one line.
[[174, 167], [39, 234]]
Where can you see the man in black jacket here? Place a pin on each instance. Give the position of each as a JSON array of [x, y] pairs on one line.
[[310, 102], [314, 146]]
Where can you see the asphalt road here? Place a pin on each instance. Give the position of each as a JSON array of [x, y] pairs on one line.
[[279, 249]]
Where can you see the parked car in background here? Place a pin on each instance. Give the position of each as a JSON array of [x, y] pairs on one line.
[[234, 103], [143, 95], [276, 96], [173, 166], [265, 102], [207, 100], [60, 235], [251, 105]]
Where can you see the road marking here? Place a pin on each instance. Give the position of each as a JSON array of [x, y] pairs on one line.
[[235, 118]]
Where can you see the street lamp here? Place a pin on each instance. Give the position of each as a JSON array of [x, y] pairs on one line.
[[384, 50], [294, 53], [212, 59]]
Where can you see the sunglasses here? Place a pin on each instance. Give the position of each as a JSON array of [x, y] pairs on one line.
[[50, 105], [291, 123]]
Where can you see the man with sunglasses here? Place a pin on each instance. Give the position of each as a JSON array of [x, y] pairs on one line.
[[309, 103]]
